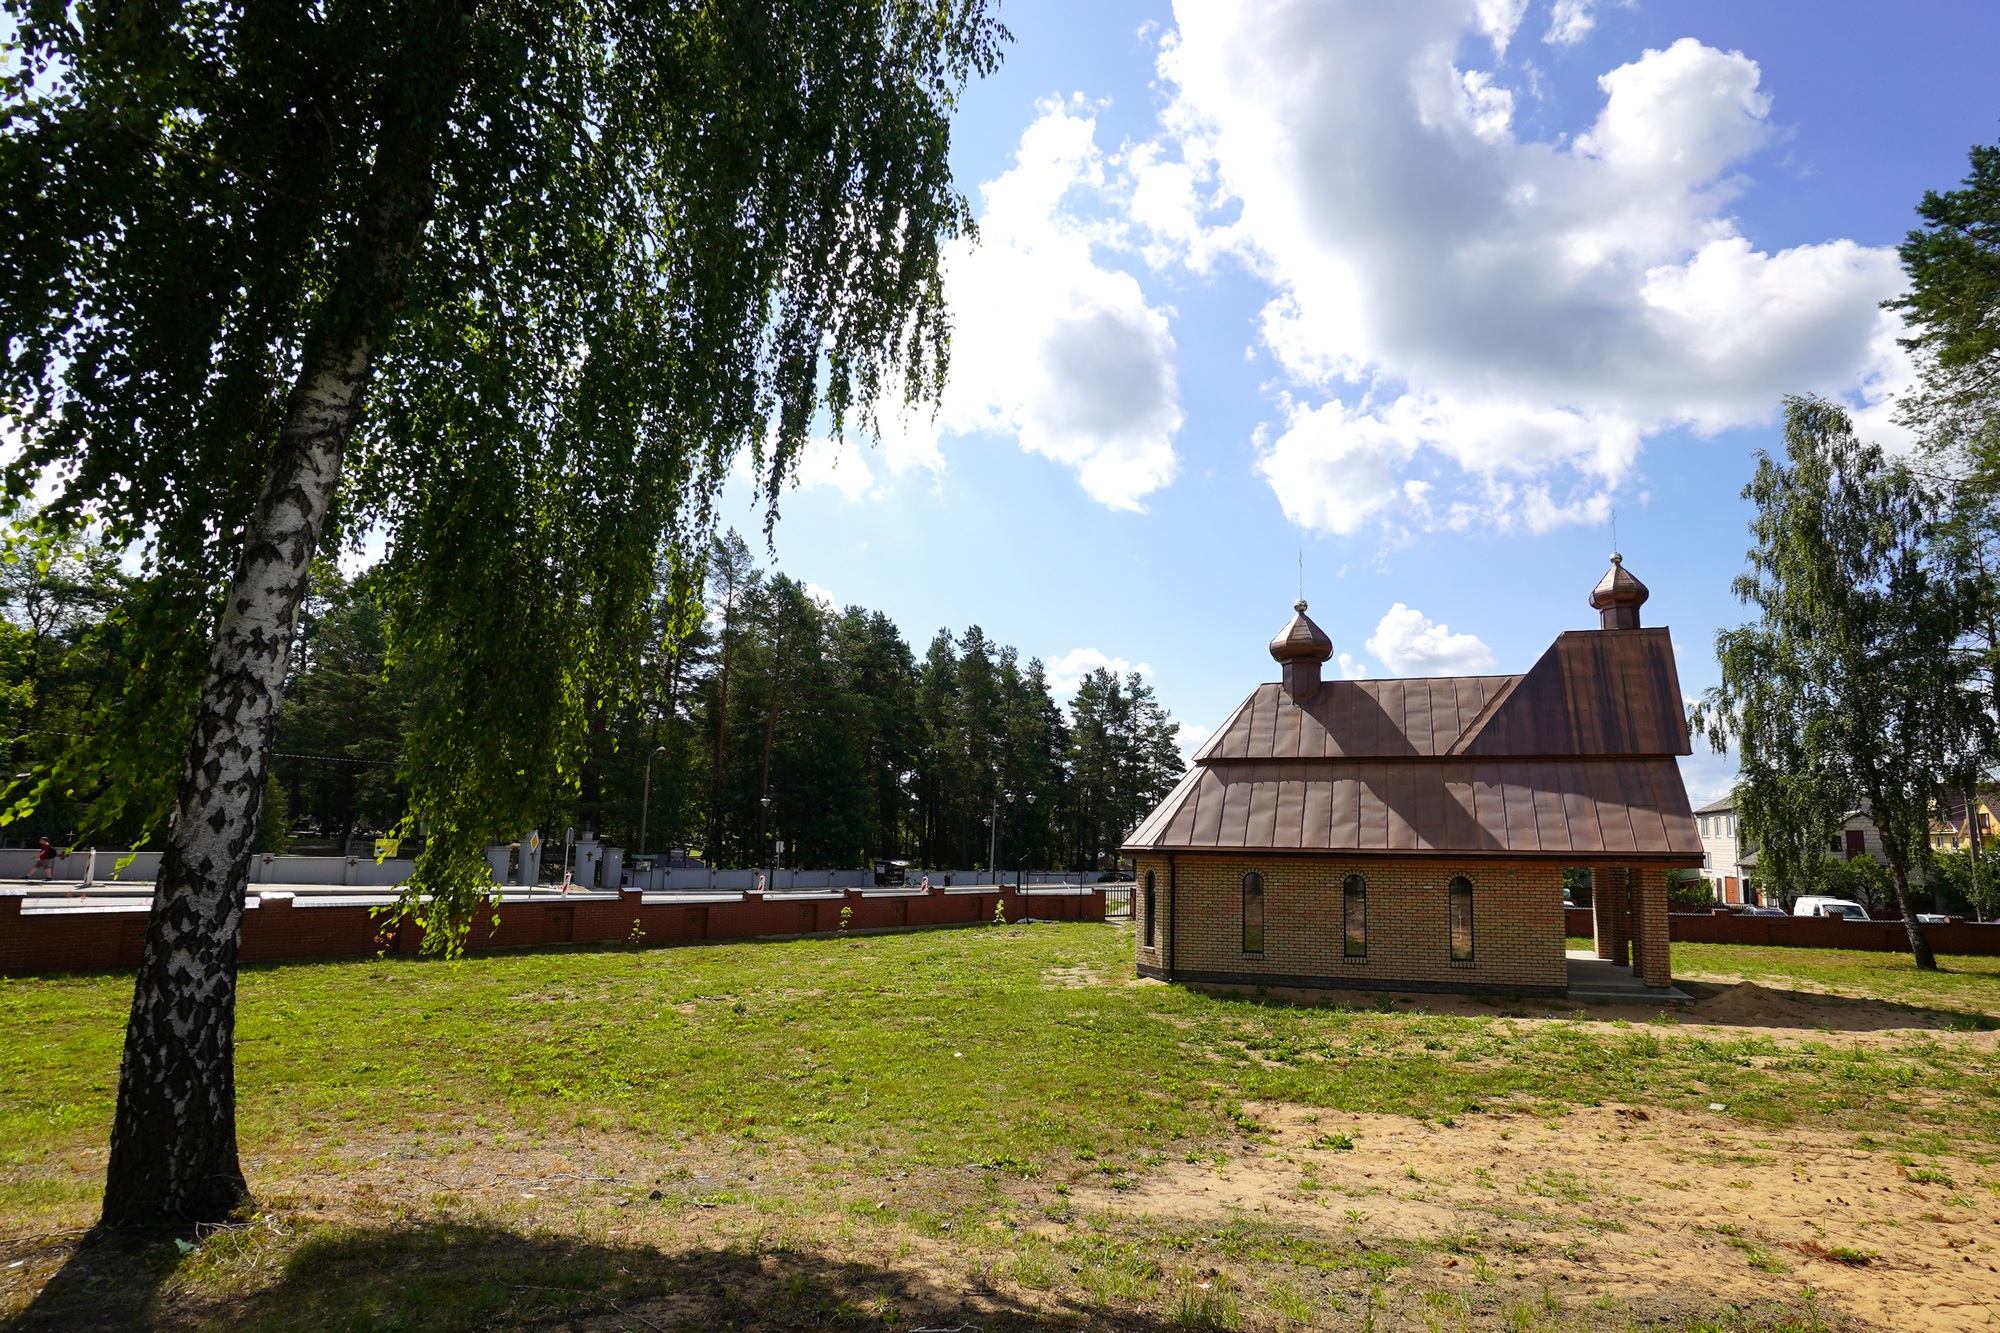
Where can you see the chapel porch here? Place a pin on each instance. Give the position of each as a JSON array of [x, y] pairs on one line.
[[1600, 979]]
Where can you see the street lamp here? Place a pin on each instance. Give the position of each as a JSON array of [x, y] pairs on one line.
[[1020, 857], [763, 822], [646, 797], [993, 842]]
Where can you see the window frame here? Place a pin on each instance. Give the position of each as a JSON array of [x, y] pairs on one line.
[[1455, 900], [1149, 904], [1253, 898], [1353, 889]]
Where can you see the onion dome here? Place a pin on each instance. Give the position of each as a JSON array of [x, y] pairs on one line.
[[1300, 638], [1301, 646], [1617, 597]]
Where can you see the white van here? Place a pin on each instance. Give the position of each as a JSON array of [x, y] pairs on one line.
[[1840, 907]]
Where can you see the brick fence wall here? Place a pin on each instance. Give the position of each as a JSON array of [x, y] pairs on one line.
[[278, 926], [1975, 938]]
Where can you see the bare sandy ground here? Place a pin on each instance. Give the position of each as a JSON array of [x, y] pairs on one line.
[[1622, 1202]]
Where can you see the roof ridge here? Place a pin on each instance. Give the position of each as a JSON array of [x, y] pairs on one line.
[[1471, 730], [1216, 737]]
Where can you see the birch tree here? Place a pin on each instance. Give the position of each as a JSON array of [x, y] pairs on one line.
[[508, 283], [1848, 691]]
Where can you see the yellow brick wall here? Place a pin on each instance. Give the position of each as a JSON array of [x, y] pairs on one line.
[[1517, 923]]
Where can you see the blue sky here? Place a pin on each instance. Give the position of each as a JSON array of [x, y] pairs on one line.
[[1424, 292]]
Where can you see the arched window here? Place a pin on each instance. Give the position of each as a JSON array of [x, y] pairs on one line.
[[1253, 913], [1148, 926], [1354, 915], [1460, 894]]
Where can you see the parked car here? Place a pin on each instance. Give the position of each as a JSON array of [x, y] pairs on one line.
[[1765, 911], [1841, 907]]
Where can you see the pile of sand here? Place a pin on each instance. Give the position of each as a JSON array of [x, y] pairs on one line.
[[1749, 1003]]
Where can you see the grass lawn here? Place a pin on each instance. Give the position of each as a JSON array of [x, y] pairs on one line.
[[998, 1127]]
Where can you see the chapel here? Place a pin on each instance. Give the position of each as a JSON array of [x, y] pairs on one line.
[[1411, 835]]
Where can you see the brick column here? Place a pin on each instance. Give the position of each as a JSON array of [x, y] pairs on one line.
[[1610, 910], [1649, 927]]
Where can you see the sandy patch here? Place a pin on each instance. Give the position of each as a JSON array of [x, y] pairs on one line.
[[1618, 1201]]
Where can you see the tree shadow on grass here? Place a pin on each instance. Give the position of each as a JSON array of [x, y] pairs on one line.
[[101, 1280], [448, 1277]]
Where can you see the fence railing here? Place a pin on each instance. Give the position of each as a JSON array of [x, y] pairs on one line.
[[1117, 902]]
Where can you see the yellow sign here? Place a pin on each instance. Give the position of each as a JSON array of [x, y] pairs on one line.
[[386, 847]]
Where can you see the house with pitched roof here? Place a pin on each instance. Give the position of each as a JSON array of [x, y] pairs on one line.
[[1411, 835]]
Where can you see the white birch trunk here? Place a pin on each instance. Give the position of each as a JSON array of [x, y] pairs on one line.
[[173, 1141]]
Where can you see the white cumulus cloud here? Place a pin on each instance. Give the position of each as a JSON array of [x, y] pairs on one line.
[[1410, 643], [1191, 737], [1503, 321], [1065, 673], [1570, 21], [838, 463], [1050, 346]]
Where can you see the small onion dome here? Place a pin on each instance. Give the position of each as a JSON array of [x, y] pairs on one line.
[[1300, 639], [1618, 597]]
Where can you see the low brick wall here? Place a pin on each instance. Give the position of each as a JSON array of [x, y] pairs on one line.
[[280, 926], [1810, 932], [1816, 932]]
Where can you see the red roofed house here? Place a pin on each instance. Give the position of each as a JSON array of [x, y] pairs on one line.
[[1411, 834]]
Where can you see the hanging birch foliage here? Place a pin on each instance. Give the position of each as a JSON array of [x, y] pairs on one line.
[[508, 285]]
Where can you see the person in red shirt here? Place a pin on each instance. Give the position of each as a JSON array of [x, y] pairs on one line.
[[45, 863]]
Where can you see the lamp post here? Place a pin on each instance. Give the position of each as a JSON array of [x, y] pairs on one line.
[[1020, 856], [763, 822], [993, 841], [646, 796]]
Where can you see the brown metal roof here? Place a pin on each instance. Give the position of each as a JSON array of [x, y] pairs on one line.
[[1604, 692], [1594, 692], [1573, 758], [1354, 719], [1572, 807]]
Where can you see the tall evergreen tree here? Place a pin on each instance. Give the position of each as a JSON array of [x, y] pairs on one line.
[[880, 676], [1124, 759], [1953, 309], [346, 709]]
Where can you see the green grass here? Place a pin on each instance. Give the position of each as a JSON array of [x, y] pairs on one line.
[[948, 1047], [1965, 984], [969, 1051]]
